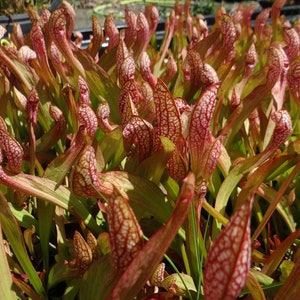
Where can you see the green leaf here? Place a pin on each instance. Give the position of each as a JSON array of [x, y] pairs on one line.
[[144, 264], [277, 256], [286, 268], [6, 291], [24, 218], [145, 197], [61, 272], [154, 166], [290, 290], [174, 283], [98, 280], [14, 236], [47, 190], [112, 148], [254, 287], [262, 278]]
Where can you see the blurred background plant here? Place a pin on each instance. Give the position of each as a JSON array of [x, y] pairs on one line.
[[8, 7]]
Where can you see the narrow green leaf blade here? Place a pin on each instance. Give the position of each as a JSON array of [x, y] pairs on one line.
[[47, 190], [14, 236], [6, 291]]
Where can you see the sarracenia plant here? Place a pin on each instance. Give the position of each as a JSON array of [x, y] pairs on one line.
[[154, 170]]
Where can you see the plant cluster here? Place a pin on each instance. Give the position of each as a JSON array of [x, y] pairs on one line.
[[151, 171], [9, 7]]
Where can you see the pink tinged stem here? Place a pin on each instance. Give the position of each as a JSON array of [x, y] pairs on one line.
[[130, 30], [171, 69], [276, 64], [292, 41], [228, 260], [88, 119], [122, 53], [250, 63], [84, 92], [12, 72], [278, 90], [127, 70], [2, 31], [70, 16], [293, 78], [275, 15], [111, 33], [178, 163], [138, 132], [17, 36], [199, 133], [169, 33], [83, 252], [145, 69], [210, 159], [260, 23], [126, 236], [152, 16], [56, 132], [253, 99], [128, 108], [145, 262], [228, 42], [19, 99], [195, 65], [39, 46], [147, 106], [97, 39], [102, 113], [32, 110], [55, 57], [84, 179], [129, 89], [32, 106], [167, 122], [143, 35], [283, 129], [59, 34], [208, 75]]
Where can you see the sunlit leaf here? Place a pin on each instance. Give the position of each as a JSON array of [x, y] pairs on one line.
[[126, 236], [228, 260], [98, 279], [286, 268], [254, 287], [143, 265], [61, 271], [85, 182], [277, 256], [290, 289], [83, 252], [48, 190], [174, 284], [167, 122], [59, 33], [199, 132]]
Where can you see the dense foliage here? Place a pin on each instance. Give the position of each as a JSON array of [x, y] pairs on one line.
[[151, 171]]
